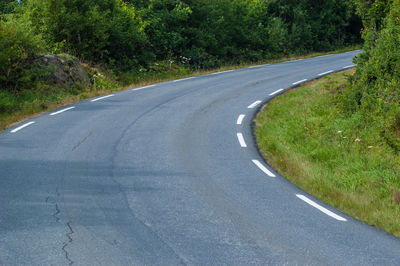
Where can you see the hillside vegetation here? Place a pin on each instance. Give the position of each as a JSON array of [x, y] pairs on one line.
[[122, 42], [339, 138]]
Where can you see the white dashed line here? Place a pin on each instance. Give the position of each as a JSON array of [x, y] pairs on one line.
[[325, 73], [145, 87], [240, 119], [101, 98], [178, 80], [263, 168], [241, 140], [253, 67], [350, 66], [254, 104], [322, 209], [300, 81], [62, 111], [21, 127], [221, 72], [275, 92]]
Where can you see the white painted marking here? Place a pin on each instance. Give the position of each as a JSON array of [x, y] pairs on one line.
[[216, 73], [145, 87], [263, 168], [183, 79], [21, 127], [275, 92], [63, 110], [240, 119], [300, 81], [101, 98], [227, 71], [254, 104], [253, 67], [325, 73], [241, 140], [322, 209], [349, 66]]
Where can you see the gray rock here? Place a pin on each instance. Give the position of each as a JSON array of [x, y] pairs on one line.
[[63, 71]]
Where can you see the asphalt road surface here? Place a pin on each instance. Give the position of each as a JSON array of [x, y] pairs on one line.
[[170, 174]]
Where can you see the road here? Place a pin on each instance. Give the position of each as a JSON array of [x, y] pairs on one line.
[[170, 174]]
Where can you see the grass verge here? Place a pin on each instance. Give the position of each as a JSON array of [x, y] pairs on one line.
[[43, 98], [304, 137]]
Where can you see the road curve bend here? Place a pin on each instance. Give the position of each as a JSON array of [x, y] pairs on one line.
[[170, 174]]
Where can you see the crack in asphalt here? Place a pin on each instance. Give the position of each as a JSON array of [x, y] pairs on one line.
[[82, 141], [64, 248], [58, 219], [57, 213]]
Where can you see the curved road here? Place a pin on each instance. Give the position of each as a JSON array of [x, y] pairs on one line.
[[169, 174]]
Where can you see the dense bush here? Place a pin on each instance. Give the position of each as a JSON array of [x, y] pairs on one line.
[[373, 94], [19, 46], [106, 31], [214, 32]]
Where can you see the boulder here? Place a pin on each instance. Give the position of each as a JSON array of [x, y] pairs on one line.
[[63, 71]]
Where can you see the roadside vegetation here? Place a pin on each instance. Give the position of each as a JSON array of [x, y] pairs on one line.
[[339, 138], [304, 136], [130, 43]]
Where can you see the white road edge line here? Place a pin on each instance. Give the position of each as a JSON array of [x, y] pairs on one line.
[[300, 81], [21, 127], [241, 140], [145, 87], [63, 110], [101, 98], [263, 168], [325, 73], [349, 66], [322, 209], [240, 119], [275, 92], [177, 80], [254, 104]]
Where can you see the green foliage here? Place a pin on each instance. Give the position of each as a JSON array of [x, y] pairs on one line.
[[106, 31], [7, 6], [204, 34], [211, 33], [19, 46], [373, 93]]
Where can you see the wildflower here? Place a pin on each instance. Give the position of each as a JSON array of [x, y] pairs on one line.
[[370, 147], [357, 140], [339, 132]]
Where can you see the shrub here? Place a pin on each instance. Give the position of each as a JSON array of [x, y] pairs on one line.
[[101, 31], [19, 46], [374, 92]]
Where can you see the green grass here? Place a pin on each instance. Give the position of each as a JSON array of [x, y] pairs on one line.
[[303, 135], [15, 108]]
